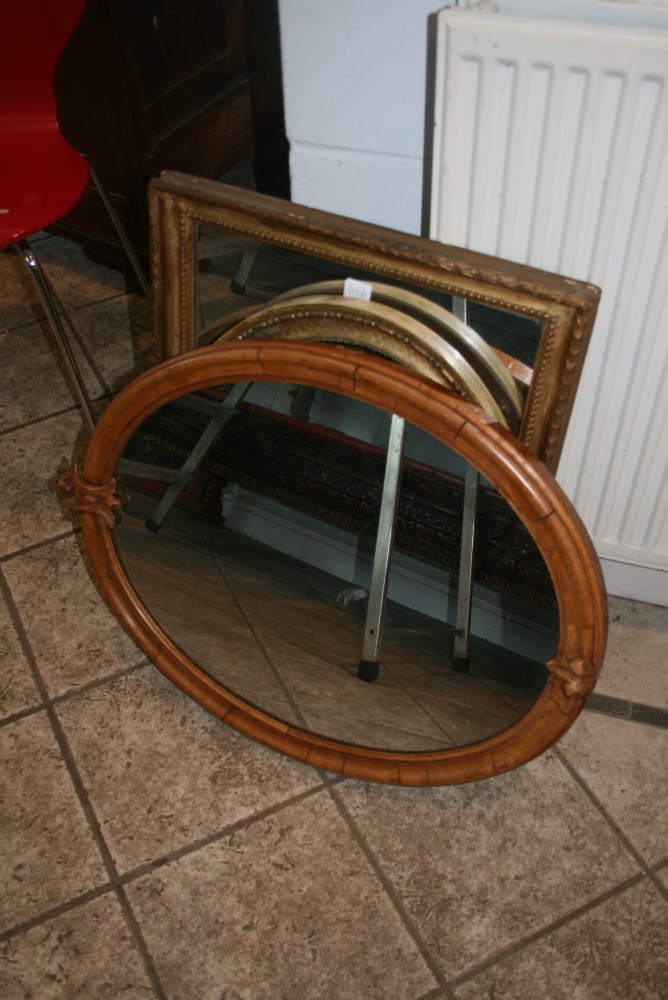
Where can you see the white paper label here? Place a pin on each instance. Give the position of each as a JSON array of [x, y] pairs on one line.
[[354, 289]]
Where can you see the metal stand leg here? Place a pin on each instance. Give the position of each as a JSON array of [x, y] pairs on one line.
[[240, 279], [460, 661], [183, 476], [369, 664], [51, 310], [120, 230], [460, 658], [369, 667]]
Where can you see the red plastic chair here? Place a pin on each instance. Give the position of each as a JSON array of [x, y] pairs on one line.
[[41, 177]]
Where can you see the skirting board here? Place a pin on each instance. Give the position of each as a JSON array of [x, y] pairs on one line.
[[499, 618], [640, 583]]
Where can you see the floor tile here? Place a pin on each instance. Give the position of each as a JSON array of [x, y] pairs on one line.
[[74, 636], [616, 951], [118, 335], [19, 302], [625, 765], [32, 457], [85, 952], [287, 907], [636, 660], [165, 772], [48, 852], [32, 382], [78, 278], [480, 866], [75, 278], [17, 688]]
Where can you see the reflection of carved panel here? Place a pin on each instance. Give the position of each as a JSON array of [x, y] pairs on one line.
[[338, 479]]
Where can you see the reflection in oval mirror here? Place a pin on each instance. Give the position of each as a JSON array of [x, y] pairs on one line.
[[250, 531]]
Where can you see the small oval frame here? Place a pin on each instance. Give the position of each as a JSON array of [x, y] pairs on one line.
[[519, 476]]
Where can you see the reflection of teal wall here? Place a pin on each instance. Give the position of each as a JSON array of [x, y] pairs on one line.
[[497, 617]]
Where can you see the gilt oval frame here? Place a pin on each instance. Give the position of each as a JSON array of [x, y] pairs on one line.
[[375, 327], [518, 475], [462, 337]]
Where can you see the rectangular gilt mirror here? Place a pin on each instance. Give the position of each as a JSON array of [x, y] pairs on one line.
[[218, 251]]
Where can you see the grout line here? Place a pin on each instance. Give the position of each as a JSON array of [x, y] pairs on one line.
[[627, 843], [262, 646], [46, 701], [116, 881], [55, 911], [38, 318], [24, 642], [23, 714], [98, 837], [75, 692], [101, 681], [394, 896], [629, 711], [140, 941], [78, 784], [544, 932], [196, 845], [71, 533], [39, 420]]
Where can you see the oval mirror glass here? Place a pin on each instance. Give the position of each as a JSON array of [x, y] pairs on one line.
[[261, 569], [250, 485]]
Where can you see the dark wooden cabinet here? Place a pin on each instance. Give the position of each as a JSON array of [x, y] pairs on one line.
[[161, 85]]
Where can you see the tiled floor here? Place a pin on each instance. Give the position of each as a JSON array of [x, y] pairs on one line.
[[150, 851]]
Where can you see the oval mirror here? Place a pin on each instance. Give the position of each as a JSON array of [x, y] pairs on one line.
[[244, 561]]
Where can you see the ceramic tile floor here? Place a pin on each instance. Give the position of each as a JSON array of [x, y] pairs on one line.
[[149, 851]]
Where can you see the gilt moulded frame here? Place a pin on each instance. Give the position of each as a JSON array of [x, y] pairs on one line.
[[511, 469], [564, 308]]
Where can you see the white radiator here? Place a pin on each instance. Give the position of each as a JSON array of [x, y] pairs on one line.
[[551, 148]]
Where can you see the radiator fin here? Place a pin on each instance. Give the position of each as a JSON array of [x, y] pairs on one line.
[[551, 149]]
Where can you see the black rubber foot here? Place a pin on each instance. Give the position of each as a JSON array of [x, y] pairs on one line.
[[460, 664], [238, 288], [151, 525], [368, 671]]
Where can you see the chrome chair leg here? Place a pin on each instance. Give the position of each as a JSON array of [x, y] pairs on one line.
[[51, 310]]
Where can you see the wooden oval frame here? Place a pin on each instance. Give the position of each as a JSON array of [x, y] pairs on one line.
[[520, 478]]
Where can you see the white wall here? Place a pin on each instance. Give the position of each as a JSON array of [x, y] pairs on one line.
[[355, 76], [355, 83], [355, 79]]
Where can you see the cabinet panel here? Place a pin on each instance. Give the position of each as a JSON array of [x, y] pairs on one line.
[[164, 85]]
